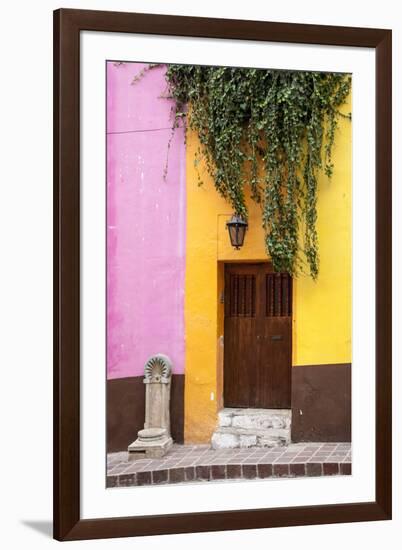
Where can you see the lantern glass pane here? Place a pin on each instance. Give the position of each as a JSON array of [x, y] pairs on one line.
[[232, 234], [240, 236]]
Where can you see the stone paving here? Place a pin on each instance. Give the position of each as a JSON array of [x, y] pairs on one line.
[[200, 463]]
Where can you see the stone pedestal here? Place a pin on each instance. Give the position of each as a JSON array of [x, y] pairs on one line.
[[155, 439]]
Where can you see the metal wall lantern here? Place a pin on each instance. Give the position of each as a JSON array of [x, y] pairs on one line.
[[237, 229]]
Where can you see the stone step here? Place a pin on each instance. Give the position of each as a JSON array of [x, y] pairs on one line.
[[244, 428], [233, 439], [279, 432], [255, 418]]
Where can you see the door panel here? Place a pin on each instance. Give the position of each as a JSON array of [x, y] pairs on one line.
[[257, 337], [240, 367]]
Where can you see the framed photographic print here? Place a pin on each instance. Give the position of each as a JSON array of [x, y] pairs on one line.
[[222, 234]]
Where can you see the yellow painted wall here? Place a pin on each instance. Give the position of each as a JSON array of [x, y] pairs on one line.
[[321, 309]]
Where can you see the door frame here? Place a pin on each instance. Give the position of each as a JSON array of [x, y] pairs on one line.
[[221, 326]]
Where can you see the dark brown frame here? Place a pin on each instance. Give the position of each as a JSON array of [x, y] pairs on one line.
[[67, 27]]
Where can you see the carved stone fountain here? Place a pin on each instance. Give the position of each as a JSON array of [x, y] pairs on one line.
[[155, 439]]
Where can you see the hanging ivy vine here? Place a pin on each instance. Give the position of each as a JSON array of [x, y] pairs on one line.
[[273, 131]]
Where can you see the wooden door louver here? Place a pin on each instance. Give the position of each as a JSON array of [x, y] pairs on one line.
[[278, 295], [242, 295]]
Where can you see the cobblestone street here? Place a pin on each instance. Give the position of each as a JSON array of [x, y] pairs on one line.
[[200, 463]]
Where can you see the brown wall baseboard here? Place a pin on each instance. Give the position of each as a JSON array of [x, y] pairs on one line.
[[125, 410], [321, 406], [321, 403]]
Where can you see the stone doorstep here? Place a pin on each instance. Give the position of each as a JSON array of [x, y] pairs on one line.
[[245, 428], [216, 472], [233, 438], [274, 432], [255, 418]]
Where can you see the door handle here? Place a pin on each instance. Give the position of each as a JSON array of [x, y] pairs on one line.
[[276, 337]]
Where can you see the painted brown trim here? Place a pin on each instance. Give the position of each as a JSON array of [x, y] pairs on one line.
[[125, 410], [321, 403], [323, 365], [68, 524]]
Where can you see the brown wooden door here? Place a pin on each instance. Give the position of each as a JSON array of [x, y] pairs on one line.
[[257, 337]]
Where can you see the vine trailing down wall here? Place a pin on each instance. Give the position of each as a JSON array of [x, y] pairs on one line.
[[272, 130]]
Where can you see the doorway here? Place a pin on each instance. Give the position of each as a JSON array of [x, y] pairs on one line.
[[257, 337]]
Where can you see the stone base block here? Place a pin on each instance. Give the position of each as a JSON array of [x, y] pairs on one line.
[[222, 439], [244, 428], [152, 449]]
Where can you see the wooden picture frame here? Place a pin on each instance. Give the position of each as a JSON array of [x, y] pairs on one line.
[[68, 524]]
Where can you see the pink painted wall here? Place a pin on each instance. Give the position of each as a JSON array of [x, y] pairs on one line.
[[145, 224]]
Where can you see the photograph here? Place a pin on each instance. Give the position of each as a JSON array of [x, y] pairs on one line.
[[228, 274], [200, 275]]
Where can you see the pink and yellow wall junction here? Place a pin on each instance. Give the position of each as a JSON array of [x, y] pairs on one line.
[[167, 244]]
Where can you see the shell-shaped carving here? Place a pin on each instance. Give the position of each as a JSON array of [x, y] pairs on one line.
[[158, 368]]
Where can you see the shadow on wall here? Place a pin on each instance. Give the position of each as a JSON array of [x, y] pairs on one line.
[[44, 527]]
